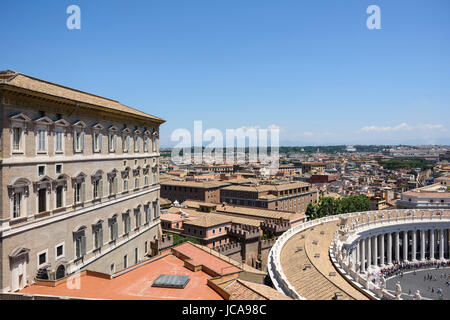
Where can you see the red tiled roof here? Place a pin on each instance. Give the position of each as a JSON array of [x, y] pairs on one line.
[[136, 284]]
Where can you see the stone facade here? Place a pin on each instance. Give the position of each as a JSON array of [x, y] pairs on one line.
[[64, 204]]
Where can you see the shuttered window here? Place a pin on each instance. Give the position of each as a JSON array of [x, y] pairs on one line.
[[59, 136], [80, 243], [98, 236], [148, 213], [97, 142], [41, 140], [16, 138], [16, 204], [98, 189], [154, 144], [114, 228]]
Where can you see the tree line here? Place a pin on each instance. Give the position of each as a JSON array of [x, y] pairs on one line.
[[327, 206]]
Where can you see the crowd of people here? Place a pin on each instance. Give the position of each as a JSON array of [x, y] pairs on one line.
[[398, 268]]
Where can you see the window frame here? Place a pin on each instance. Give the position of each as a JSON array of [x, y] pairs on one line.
[[63, 244], [38, 264]]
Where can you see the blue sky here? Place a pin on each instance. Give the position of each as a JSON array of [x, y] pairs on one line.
[[312, 68]]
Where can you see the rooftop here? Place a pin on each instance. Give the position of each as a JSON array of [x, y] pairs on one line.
[[198, 257], [268, 187], [136, 284], [195, 184], [248, 211], [18, 82]]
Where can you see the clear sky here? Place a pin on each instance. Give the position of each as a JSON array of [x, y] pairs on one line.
[[310, 67]]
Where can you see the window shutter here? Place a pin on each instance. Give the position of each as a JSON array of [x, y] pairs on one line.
[[83, 192], [78, 247], [115, 142], [100, 141], [116, 230], [82, 141], [75, 141], [115, 185], [100, 237], [100, 188], [83, 245]]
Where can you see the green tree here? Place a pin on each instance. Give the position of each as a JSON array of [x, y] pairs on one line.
[[327, 206]]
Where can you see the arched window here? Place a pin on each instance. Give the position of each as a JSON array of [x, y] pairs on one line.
[[125, 177], [97, 182], [97, 233], [79, 188], [148, 213], [79, 238], [113, 228], [136, 174], [126, 222], [138, 216], [113, 182]]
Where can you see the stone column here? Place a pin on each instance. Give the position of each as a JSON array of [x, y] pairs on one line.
[[422, 245], [375, 250], [389, 248], [354, 259], [358, 252], [414, 245], [448, 243], [397, 246], [405, 245], [363, 256], [381, 250], [369, 252], [432, 244], [441, 244]]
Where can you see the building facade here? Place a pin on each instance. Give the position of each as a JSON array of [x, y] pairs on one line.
[[208, 191], [436, 196], [80, 182], [291, 197]]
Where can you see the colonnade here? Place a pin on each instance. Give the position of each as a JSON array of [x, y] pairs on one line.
[[415, 245]]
